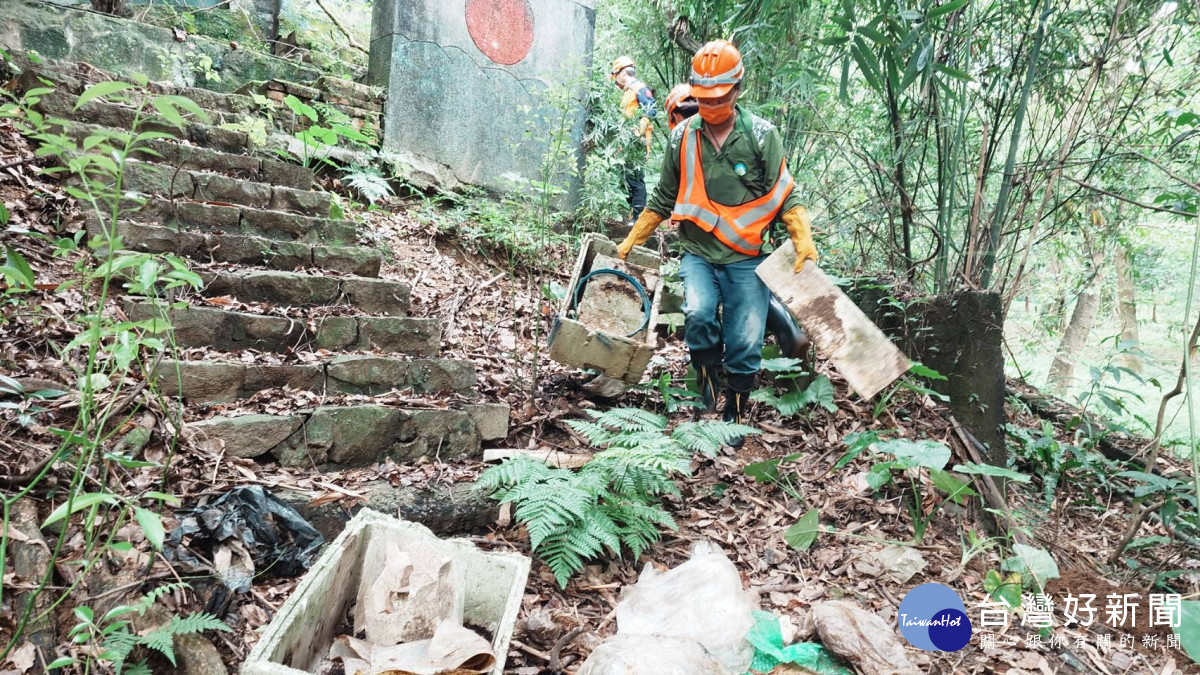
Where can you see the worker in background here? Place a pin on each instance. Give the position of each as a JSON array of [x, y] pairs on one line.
[[725, 179], [793, 341], [637, 102]]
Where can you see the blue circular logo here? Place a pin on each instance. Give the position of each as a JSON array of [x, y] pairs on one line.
[[932, 617]]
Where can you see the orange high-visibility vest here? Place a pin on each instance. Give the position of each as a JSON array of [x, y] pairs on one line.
[[739, 227]]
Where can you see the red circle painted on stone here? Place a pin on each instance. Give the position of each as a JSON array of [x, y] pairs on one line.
[[501, 29]]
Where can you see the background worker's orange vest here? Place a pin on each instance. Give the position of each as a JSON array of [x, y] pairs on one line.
[[739, 227]]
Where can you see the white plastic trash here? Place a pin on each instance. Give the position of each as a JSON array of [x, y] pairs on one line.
[[701, 600]]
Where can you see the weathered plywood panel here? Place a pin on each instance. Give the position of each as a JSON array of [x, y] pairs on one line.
[[843, 334]]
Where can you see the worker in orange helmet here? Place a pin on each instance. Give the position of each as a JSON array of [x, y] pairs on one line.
[[793, 341], [725, 179], [637, 102], [680, 104]]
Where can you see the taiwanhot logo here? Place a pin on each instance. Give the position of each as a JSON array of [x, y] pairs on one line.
[[932, 617]]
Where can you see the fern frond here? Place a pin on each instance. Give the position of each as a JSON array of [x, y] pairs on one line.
[[161, 640], [632, 419], [708, 436], [196, 622], [152, 597], [510, 472], [595, 433], [139, 668], [633, 439], [117, 647]]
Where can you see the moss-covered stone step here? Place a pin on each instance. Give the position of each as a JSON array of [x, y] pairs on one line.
[[72, 78], [226, 330], [353, 91], [243, 249], [195, 158], [294, 289], [165, 181], [336, 437], [223, 381], [184, 214], [62, 105]]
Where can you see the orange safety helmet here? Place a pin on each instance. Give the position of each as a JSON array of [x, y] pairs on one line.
[[716, 69], [678, 95], [620, 63]]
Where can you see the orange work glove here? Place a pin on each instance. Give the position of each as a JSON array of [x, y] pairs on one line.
[[642, 229], [800, 230]]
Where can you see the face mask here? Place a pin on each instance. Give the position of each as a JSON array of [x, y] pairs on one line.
[[716, 115]]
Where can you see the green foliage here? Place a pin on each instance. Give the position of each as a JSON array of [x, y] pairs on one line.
[[109, 355], [1035, 565], [909, 458], [116, 641], [804, 531], [674, 398], [320, 134], [368, 181], [613, 503]]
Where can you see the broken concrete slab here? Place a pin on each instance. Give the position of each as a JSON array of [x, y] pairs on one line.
[[843, 334], [305, 626]]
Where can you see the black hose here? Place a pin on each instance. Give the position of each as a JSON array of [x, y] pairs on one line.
[[636, 285]]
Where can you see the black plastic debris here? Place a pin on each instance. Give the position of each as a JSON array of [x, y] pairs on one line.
[[253, 523]]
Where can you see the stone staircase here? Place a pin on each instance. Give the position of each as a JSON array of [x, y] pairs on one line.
[[289, 299]]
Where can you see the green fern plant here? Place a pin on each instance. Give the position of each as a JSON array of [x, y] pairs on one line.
[[368, 181], [612, 504], [116, 640]]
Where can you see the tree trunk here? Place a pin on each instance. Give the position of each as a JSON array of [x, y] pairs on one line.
[[1127, 309], [1053, 319], [1083, 318], [991, 243]]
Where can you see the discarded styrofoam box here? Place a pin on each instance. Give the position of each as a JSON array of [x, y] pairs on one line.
[[577, 344], [304, 627]]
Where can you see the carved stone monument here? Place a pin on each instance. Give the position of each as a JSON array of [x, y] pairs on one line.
[[465, 82]]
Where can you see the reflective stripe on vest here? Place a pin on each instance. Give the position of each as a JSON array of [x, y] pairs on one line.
[[739, 227]]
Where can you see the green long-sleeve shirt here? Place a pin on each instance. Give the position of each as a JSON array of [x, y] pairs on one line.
[[754, 144]]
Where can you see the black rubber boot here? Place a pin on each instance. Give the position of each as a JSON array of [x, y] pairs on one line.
[[707, 365], [737, 399], [706, 384], [793, 341]]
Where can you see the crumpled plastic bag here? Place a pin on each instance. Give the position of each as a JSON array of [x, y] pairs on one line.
[[862, 638], [252, 525], [770, 652], [701, 600], [413, 595], [453, 649], [651, 655]]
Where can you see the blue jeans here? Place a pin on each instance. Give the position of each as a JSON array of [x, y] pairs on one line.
[[742, 298]]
